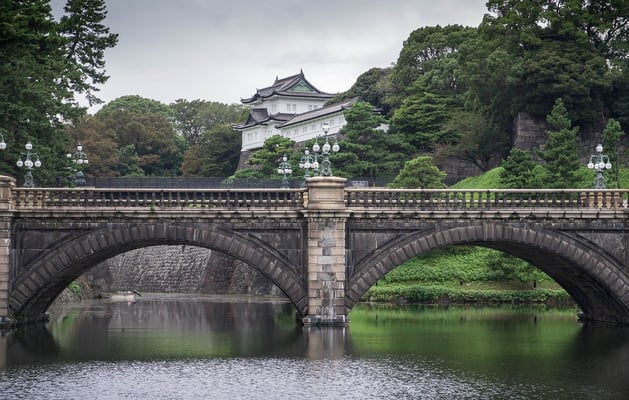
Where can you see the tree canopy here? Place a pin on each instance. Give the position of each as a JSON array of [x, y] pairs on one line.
[[193, 118], [561, 152], [366, 149], [420, 173], [44, 65]]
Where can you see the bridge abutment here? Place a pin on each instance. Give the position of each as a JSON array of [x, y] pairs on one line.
[[326, 278], [7, 184]]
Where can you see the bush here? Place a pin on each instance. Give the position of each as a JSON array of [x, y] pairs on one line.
[[436, 294]]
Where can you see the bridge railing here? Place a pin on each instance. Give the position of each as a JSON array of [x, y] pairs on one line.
[[488, 198], [296, 198], [157, 198]]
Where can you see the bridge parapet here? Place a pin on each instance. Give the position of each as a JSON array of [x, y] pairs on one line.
[[46, 198], [323, 196], [485, 199]]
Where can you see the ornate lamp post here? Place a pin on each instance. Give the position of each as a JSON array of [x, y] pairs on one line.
[[599, 162], [284, 169], [29, 164], [309, 162], [326, 165], [79, 158], [3, 144]]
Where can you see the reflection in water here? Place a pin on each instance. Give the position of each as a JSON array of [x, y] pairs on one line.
[[182, 347]]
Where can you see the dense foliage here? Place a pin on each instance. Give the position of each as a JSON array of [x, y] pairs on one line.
[[560, 152], [44, 64], [419, 173], [466, 275]]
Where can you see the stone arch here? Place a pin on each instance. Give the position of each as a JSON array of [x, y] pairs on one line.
[[595, 280], [48, 275]]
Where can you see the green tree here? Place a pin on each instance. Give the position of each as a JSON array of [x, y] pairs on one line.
[[611, 141], [421, 173], [372, 86], [192, 163], [518, 170], [86, 40], [560, 151], [138, 105], [421, 117], [552, 51], [152, 138], [367, 150], [480, 141], [264, 161], [195, 117], [424, 51], [43, 66], [427, 84], [618, 100], [98, 142], [129, 162], [216, 154]]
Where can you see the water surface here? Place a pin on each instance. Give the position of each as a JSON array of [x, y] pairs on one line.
[[181, 347]]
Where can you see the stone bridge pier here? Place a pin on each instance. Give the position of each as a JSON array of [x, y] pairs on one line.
[[6, 186], [326, 278]]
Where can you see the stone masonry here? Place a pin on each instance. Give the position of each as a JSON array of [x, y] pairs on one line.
[[179, 269]]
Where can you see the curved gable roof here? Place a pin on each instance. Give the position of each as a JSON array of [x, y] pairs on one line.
[[291, 86], [259, 116]]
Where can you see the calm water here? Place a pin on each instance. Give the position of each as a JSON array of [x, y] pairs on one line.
[[180, 347]]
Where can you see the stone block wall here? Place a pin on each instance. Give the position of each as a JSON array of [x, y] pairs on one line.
[[178, 269], [457, 170], [530, 134]]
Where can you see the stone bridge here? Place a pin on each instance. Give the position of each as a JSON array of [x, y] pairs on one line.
[[323, 245]]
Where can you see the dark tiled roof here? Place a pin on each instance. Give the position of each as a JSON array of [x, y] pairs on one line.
[[288, 87], [319, 112], [259, 116]]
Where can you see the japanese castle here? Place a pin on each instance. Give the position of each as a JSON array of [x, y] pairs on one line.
[[292, 107]]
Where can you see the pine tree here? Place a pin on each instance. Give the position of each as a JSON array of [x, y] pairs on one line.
[[421, 173], [560, 151], [517, 172]]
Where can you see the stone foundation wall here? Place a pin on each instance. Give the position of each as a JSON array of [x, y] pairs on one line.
[[530, 134], [457, 170], [178, 269]]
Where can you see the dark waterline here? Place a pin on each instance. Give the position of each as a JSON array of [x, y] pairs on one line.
[[180, 347]]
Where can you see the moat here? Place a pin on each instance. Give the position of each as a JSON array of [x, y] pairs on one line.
[[189, 347]]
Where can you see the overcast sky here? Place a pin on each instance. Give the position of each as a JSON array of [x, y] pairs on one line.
[[222, 50]]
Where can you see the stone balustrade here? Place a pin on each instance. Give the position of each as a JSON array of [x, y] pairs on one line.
[[28, 198]]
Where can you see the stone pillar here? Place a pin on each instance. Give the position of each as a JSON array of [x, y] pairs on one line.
[[326, 217], [7, 184]]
